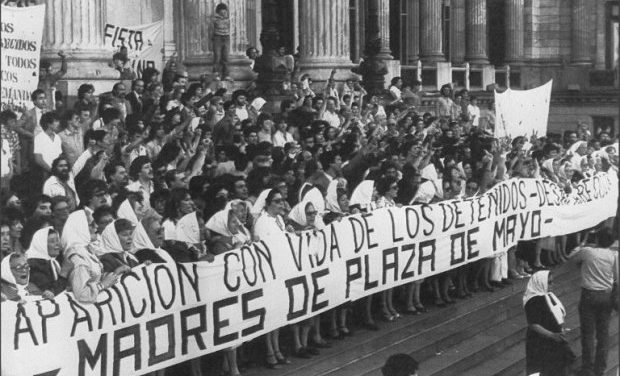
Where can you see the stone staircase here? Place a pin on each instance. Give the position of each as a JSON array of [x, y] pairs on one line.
[[480, 336]]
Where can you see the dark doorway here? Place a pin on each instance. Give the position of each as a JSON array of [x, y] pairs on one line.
[[496, 29]]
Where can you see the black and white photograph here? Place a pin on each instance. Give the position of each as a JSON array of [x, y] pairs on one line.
[[309, 187]]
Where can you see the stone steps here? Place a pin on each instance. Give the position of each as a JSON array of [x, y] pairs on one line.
[[446, 341]]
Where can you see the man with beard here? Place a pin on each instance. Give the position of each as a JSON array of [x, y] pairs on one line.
[[118, 100], [62, 183], [135, 97]]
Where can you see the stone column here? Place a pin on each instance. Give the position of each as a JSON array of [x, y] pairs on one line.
[[580, 41], [457, 31], [514, 32], [379, 20], [170, 45], [431, 31], [238, 34], [75, 25], [324, 38], [476, 30], [413, 30]]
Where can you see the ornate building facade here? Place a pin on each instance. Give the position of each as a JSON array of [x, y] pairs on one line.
[[474, 44]]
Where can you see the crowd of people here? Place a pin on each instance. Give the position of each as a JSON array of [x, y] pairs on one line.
[[115, 180]]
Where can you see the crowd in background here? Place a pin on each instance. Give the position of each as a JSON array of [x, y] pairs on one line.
[[94, 188]]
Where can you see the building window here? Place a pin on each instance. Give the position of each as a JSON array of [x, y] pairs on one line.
[[446, 29], [613, 35], [496, 32]]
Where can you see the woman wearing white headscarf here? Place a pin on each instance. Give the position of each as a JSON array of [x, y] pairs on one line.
[[117, 241], [228, 231], [15, 279], [42, 256], [362, 198], [270, 223], [307, 216], [86, 277], [148, 239], [545, 346]]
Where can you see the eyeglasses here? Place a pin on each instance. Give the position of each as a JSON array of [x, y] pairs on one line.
[[394, 187], [21, 268], [277, 200], [311, 213]]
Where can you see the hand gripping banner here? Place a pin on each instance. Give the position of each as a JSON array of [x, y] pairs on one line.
[[163, 314]]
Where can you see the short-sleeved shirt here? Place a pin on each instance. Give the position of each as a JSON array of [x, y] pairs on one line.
[[598, 267], [49, 148]]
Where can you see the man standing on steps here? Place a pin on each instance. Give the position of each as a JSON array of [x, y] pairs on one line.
[[599, 278]]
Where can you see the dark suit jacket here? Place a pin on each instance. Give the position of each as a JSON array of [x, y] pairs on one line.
[[111, 261], [137, 105], [42, 276], [148, 255]]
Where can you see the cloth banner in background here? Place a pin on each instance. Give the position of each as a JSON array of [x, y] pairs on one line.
[[20, 51], [144, 44], [162, 314], [522, 112]]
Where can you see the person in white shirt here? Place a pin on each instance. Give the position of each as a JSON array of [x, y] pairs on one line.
[[395, 92], [282, 136], [61, 183], [141, 173], [94, 143], [473, 111], [329, 112], [47, 144]]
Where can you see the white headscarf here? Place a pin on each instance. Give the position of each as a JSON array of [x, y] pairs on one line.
[[573, 148], [259, 205], [426, 192], [331, 198], [538, 285], [303, 190], [126, 211], [188, 230], [111, 243], [141, 239], [5, 269], [298, 213], [362, 195], [219, 223], [38, 249], [7, 275], [76, 233]]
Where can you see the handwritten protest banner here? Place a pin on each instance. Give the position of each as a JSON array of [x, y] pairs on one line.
[[144, 44], [163, 314], [20, 51], [522, 112]]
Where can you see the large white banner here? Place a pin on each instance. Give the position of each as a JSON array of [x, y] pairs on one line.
[[163, 314], [522, 112], [144, 44], [20, 51]]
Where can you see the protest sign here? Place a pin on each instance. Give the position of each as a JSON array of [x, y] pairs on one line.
[[144, 44], [20, 50], [522, 112], [163, 314]]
